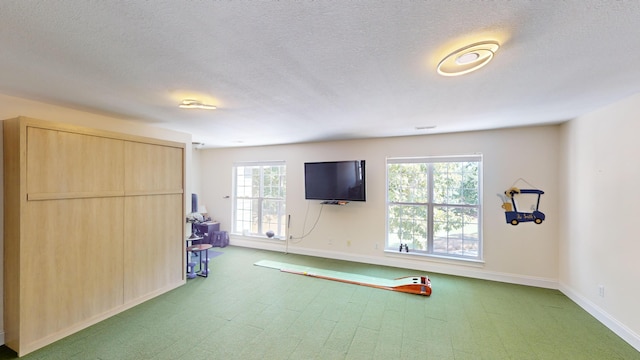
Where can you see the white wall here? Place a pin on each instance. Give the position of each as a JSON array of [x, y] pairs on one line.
[[600, 237], [11, 107], [525, 254]]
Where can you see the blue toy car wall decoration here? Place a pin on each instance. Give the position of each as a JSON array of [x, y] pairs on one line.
[[513, 216]]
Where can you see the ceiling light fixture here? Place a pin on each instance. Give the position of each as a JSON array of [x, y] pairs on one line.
[[427, 127], [468, 58], [195, 104]]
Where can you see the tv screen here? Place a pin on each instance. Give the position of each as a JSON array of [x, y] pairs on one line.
[[335, 180]]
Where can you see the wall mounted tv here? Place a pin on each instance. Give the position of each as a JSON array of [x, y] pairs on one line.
[[335, 181]]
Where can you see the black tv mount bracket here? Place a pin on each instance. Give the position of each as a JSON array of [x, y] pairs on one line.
[[334, 202]]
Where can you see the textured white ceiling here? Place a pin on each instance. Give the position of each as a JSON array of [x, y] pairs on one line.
[[296, 71]]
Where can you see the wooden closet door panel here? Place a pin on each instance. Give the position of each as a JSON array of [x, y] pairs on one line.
[[153, 168], [60, 162], [72, 263], [154, 244]]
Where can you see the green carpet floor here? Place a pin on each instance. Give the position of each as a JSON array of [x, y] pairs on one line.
[[244, 311]]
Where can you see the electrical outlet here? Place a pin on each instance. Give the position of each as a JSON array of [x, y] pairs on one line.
[[601, 290], [348, 242]]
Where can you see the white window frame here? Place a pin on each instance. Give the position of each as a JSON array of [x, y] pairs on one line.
[[430, 205], [239, 225]]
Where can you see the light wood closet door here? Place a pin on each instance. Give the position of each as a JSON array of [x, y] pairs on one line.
[[154, 240], [68, 165], [154, 245], [153, 169], [72, 248], [72, 263]]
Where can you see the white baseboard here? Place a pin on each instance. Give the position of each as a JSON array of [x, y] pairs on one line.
[[2, 338], [448, 267], [605, 318], [470, 270]]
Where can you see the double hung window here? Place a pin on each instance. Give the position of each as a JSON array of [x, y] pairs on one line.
[[434, 205], [259, 198]]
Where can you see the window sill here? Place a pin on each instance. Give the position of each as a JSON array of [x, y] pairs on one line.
[[257, 237], [436, 258]]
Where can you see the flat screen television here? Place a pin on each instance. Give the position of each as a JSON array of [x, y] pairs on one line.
[[335, 180]]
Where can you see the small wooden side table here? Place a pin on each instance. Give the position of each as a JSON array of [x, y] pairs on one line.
[[190, 264], [204, 259]]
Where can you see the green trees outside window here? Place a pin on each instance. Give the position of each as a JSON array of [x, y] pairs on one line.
[[433, 205]]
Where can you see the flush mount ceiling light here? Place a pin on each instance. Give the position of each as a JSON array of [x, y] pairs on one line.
[[195, 104], [426, 127], [468, 58]]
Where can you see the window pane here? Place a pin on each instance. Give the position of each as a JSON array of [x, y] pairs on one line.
[[456, 231], [243, 181], [455, 183], [255, 181], [408, 225], [273, 217], [274, 182], [246, 216], [407, 183]]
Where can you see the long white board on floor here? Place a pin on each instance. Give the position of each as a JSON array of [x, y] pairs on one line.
[[420, 285]]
